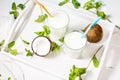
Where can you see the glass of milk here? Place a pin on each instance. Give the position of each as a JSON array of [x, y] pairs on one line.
[[74, 44], [58, 24]]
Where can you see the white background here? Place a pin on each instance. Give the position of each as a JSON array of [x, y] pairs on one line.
[[110, 7]]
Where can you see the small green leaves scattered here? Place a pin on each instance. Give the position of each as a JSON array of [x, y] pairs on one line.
[[21, 6], [40, 33], [15, 14], [11, 44], [45, 32], [61, 40], [98, 5], [9, 78], [9, 47], [55, 47], [2, 43], [63, 2], [76, 4], [90, 4], [95, 61], [29, 53], [76, 72], [25, 42], [41, 18], [101, 14], [14, 8]]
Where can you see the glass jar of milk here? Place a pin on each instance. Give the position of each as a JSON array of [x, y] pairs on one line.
[[74, 44], [58, 24]]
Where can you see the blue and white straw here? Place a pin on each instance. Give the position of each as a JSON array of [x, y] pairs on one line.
[[91, 25]]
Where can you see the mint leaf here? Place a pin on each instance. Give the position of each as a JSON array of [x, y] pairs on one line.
[[63, 2], [2, 42], [9, 78], [55, 47], [29, 53], [13, 51], [75, 3], [11, 44], [89, 5], [61, 40], [98, 5], [14, 13], [101, 14], [40, 33], [76, 72], [46, 30], [41, 18], [9, 47], [14, 7], [25, 42], [21, 6], [95, 61]]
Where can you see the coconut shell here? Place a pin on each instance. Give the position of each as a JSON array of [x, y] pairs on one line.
[[95, 34]]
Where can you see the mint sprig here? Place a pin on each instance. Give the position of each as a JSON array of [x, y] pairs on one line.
[[63, 2], [76, 72], [14, 9], [29, 53], [76, 4], [10, 48], [41, 18], [55, 47], [45, 32]]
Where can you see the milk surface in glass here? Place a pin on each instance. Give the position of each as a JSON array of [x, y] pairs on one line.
[[58, 24], [74, 44]]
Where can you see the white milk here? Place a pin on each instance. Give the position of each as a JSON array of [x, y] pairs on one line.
[[74, 44], [41, 45], [58, 24]]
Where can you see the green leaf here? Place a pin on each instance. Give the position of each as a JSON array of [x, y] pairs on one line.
[[101, 14], [98, 5], [75, 3], [76, 72], [55, 47], [61, 40], [63, 2], [25, 42], [21, 6], [14, 7], [2, 42], [15, 14], [41, 18], [29, 53], [95, 61], [9, 78], [89, 5], [0, 75], [11, 44], [46, 30], [13, 51], [40, 33]]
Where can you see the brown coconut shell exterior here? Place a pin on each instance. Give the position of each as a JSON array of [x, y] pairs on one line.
[[95, 34]]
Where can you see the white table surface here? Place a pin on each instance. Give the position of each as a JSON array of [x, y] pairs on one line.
[[111, 7]]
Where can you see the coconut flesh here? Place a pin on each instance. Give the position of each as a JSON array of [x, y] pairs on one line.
[[41, 46]]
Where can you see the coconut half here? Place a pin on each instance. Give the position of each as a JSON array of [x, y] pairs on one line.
[[41, 46]]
